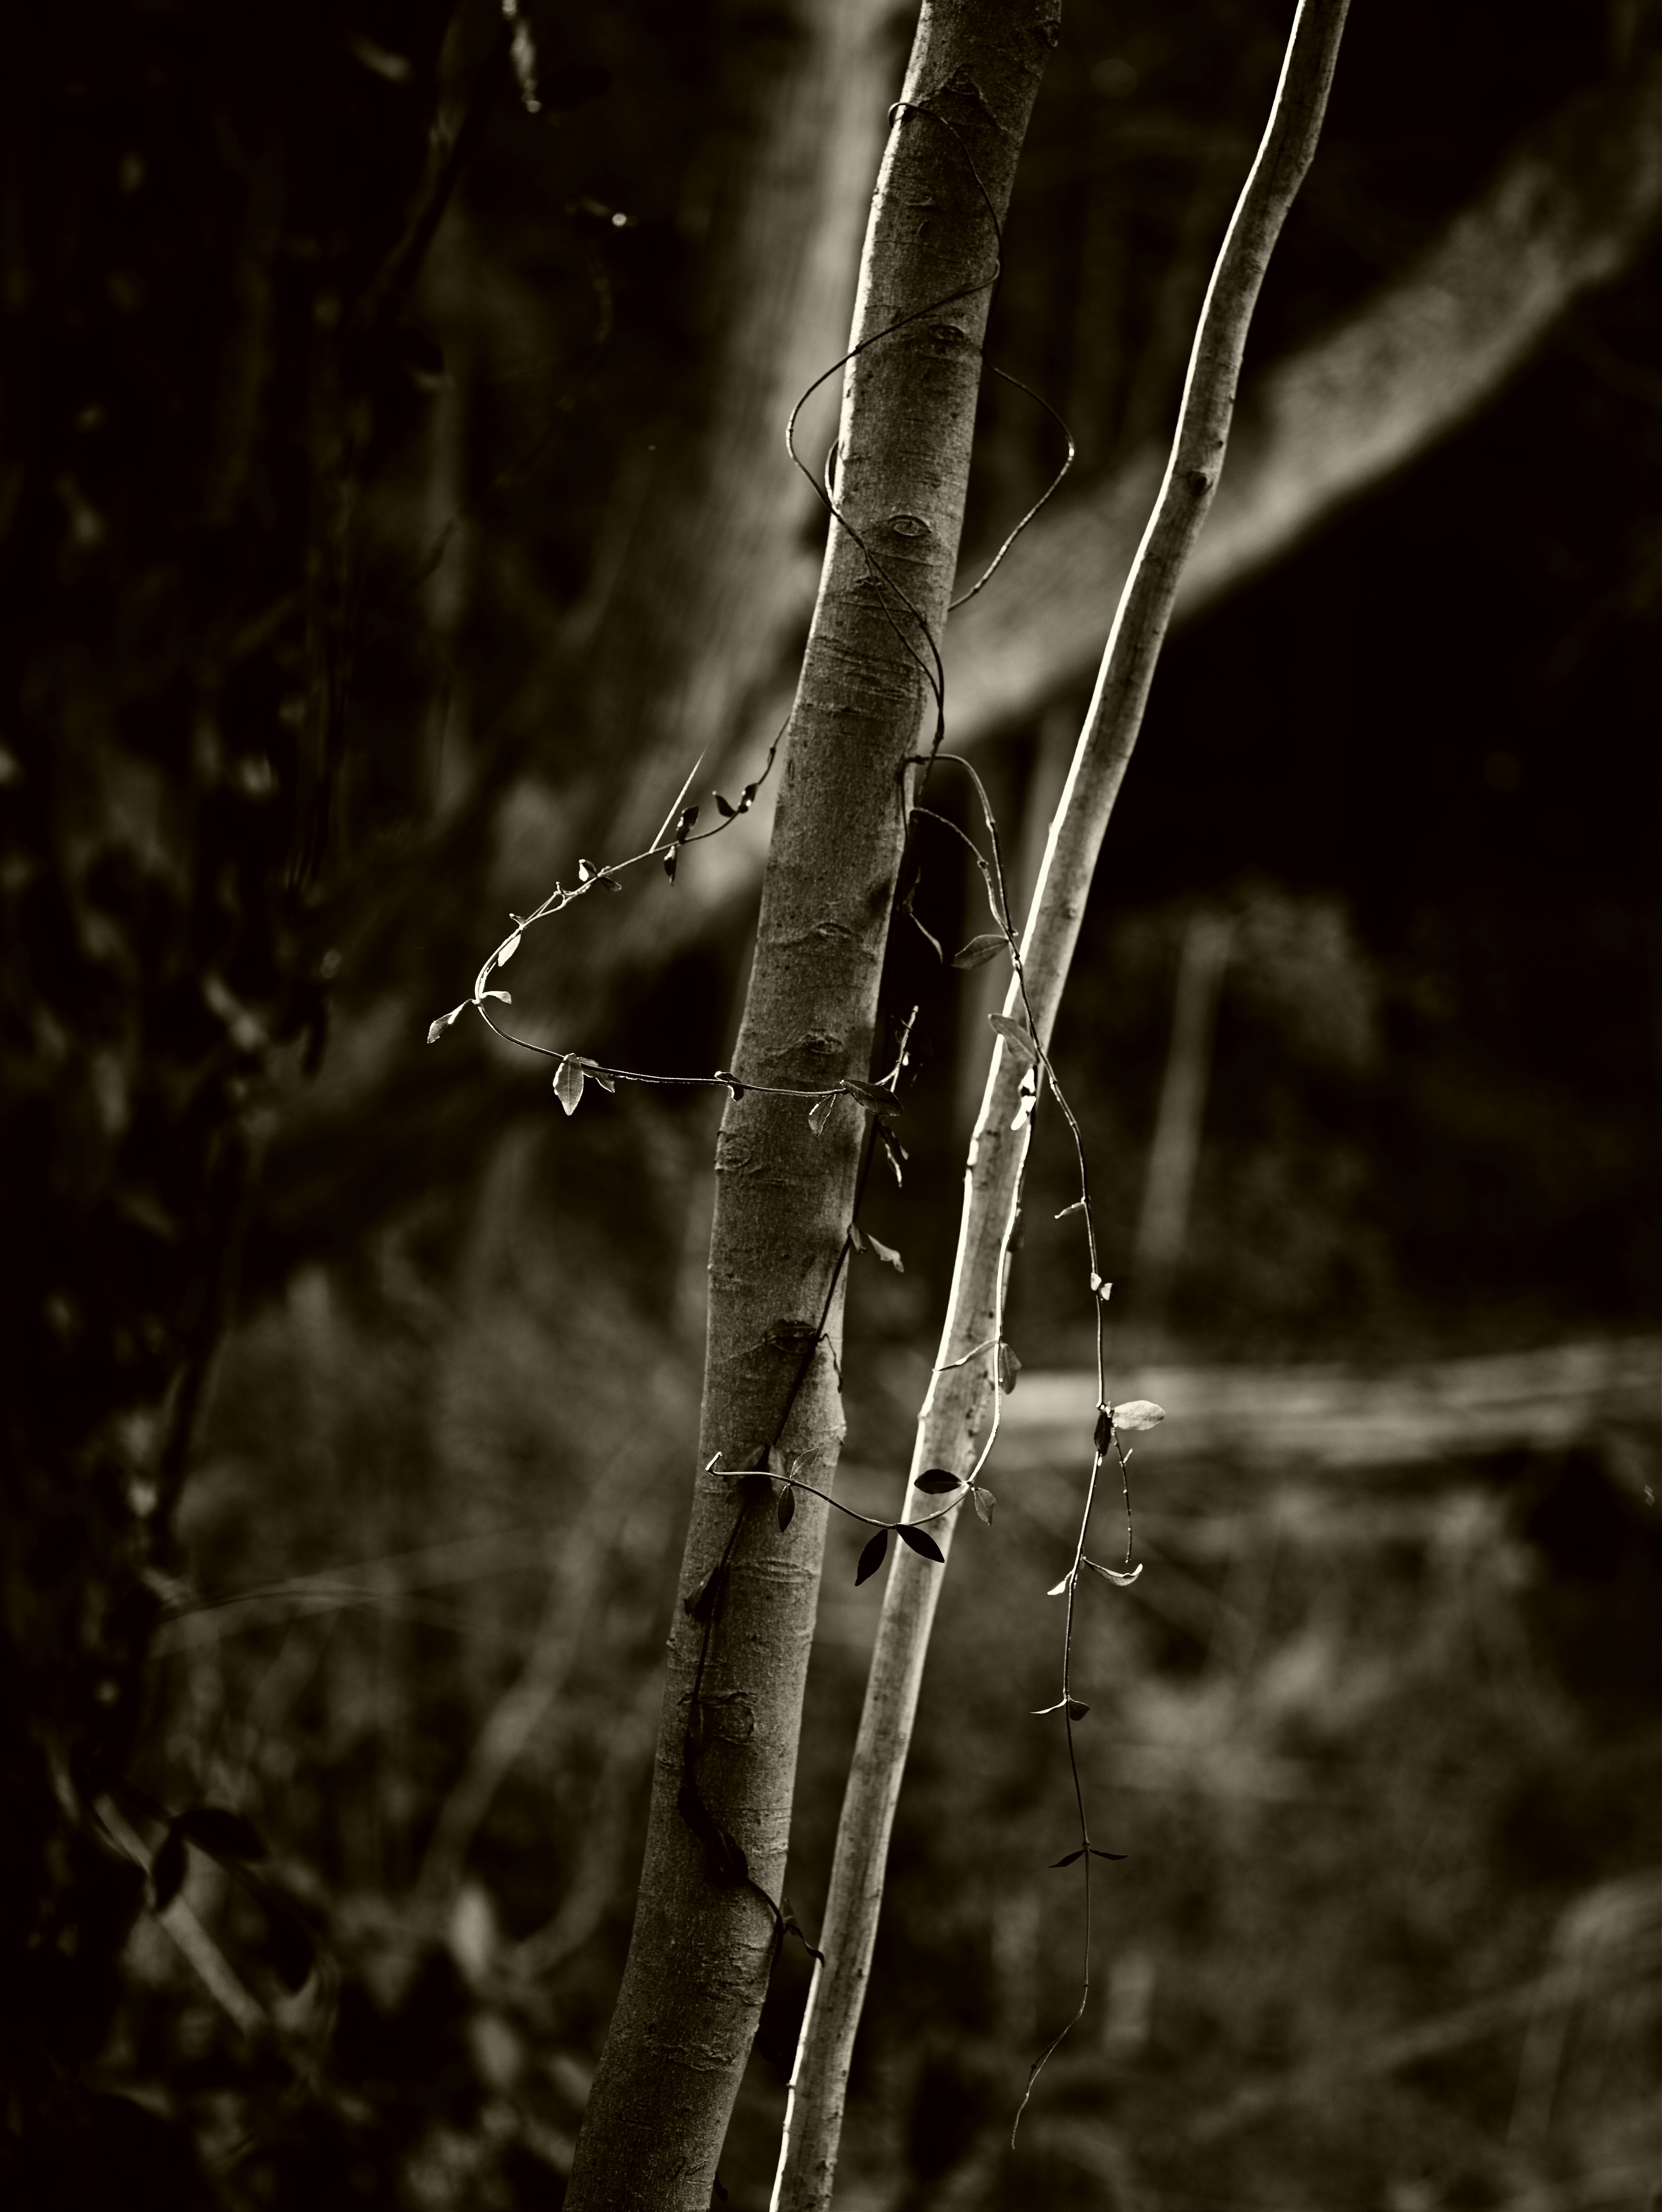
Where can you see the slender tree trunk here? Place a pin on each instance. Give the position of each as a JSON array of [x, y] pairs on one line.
[[704, 1933], [957, 1411]]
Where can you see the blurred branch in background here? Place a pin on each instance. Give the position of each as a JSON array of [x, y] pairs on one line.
[[1169, 1178]]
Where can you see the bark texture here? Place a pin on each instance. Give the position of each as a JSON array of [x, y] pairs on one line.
[[704, 1938], [958, 1410]]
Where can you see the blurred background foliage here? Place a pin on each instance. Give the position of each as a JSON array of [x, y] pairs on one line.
[[1363, 1032]]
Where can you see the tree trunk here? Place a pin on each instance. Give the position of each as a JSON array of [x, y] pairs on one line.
[[704, 1934], [958, 1413]]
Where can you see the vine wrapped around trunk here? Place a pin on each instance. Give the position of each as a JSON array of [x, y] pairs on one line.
[[957, 1412], [705, 1931]]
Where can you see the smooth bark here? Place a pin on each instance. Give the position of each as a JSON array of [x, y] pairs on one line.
[[704, 1931], [958, 1410]]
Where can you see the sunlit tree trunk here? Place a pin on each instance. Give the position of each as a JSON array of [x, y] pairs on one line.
[[704, 1931]]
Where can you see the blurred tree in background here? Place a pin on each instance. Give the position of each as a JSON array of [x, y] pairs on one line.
[[358, 582]]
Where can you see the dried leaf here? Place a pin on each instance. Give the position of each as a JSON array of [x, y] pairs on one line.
[[1017, 1036], [984, 1503], [819, 1115], [980, 950], [924, 1546], [937, 1482], [437, 1028], [1138, 1413], [1113, 1574], [887, 1255], [787, 1508], [872, 1557], [569, 1082], [928, 934], [856, 1237]]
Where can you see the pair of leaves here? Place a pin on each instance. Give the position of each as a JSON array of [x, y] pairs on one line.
[[570, 1077], [727, 810], [224, 1835], [1117, 1857], [862, 1241], [878, 1549]]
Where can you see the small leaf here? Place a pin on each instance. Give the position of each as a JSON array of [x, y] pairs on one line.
[[872, 1557], [1071, 1856], [980, 950], [437, 1028], [1113, 1574], [1117, 1857], [856, 1237], [819, 1115], [1017, 1037], [924, 1546], [689, 816], [598, 1074], [733, 1085], [1104, 1429], [225, 1835], [1076, 1711], [569, 1082], [506, 952], [1025, 1104], [887, 1255], [585, 873], [1078, 1207], [937, 1482], [1061, 1588], [746, 798], [1071, 1706], [882, 1102], [167, 1869], [787, 1508], [984, 1503], [507, 997], [1138, 1413], [670, 858], [1008, 1368]]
